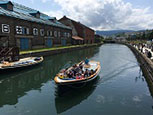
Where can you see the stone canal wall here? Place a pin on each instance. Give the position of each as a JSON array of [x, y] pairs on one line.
[[146, 64], [57, 51]]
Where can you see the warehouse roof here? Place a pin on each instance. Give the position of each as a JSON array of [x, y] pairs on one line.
[[24, 13], [4, 2]]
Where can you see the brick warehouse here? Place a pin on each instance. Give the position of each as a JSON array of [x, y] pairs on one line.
[[27, 28], [80, 32]]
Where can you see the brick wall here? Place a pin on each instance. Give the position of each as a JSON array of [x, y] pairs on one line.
[[89, 35], [79, 29], [35, 41]]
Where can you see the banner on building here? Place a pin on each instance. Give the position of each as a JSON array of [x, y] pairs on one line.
[[5, 28]]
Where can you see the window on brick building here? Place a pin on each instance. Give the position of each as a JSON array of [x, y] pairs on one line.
[[35, 31], [65, 34], [59, 34], [27, 30], [55, 33], [51, 33], [68, 35], [42, 32]]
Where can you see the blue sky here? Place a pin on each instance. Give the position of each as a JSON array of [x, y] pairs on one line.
[[48, 5], [141, 3], [99, 14], [39, 4]]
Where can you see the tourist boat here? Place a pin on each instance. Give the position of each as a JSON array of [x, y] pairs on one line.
[[64, 80], [25, 62]]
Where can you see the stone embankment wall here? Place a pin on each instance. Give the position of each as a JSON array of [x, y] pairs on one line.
[[58, 51], [146, 65]]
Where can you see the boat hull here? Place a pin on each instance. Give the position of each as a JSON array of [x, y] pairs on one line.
[[60, 82], [20, 67]]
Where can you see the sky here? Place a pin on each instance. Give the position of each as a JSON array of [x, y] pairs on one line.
[[99, 14]]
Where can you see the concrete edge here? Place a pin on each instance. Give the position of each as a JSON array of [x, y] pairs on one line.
[[146, 65], [58, 51]]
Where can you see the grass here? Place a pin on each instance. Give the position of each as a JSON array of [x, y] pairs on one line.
[[53, 48]]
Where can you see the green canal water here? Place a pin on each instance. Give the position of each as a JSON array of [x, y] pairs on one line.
[[120, 89]]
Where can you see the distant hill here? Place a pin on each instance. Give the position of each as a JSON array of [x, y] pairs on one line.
[[112, 32]]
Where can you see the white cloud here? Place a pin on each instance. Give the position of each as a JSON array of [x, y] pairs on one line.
[[44, 1], [105, 14], [57, 14]]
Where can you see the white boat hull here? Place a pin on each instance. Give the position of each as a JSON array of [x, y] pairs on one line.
[[25, 62], [97, 69]]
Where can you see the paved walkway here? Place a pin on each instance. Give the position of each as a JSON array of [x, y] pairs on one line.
[[148, 50], [144, 50]]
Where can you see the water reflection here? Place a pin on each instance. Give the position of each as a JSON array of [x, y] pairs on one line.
[[17, 84], [115, 72], [140, 77], [32, 91], [69, 96]]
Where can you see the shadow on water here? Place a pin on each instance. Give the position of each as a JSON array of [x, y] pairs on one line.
[[118, 90], [115, 72], [16, 84], [15, 72], [67, 97]]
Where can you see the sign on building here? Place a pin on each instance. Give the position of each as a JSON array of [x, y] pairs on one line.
[[49, 33], [5, 28], [19, 30], [25, 30], [35, 31]]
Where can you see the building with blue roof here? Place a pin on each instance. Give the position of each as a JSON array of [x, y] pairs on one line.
[[29, 29]]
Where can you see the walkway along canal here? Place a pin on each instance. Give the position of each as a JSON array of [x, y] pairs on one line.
[[120, 89]]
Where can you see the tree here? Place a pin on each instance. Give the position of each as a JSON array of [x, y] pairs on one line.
[[143, 37], [98, 38]]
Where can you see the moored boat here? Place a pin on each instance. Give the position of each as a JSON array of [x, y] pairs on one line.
[[25, 62], [93, 68]]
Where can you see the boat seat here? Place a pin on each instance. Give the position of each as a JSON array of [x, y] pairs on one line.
[[87, 66]]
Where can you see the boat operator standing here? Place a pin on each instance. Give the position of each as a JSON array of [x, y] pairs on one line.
[[86, 61]]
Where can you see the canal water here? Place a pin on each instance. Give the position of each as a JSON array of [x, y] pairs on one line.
[[120, 89]]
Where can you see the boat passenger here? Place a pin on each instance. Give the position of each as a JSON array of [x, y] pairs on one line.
[[61, 75], [77, 76], [74, 66], [70, 74], [80, 66], [91, 72], [80, 72], [86, 74], [149, 55], [82, 76], [77, 69], [6, 63], [74, 71], [86, 61]]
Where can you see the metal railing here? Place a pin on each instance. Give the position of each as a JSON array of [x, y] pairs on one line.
[[9, 54]]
